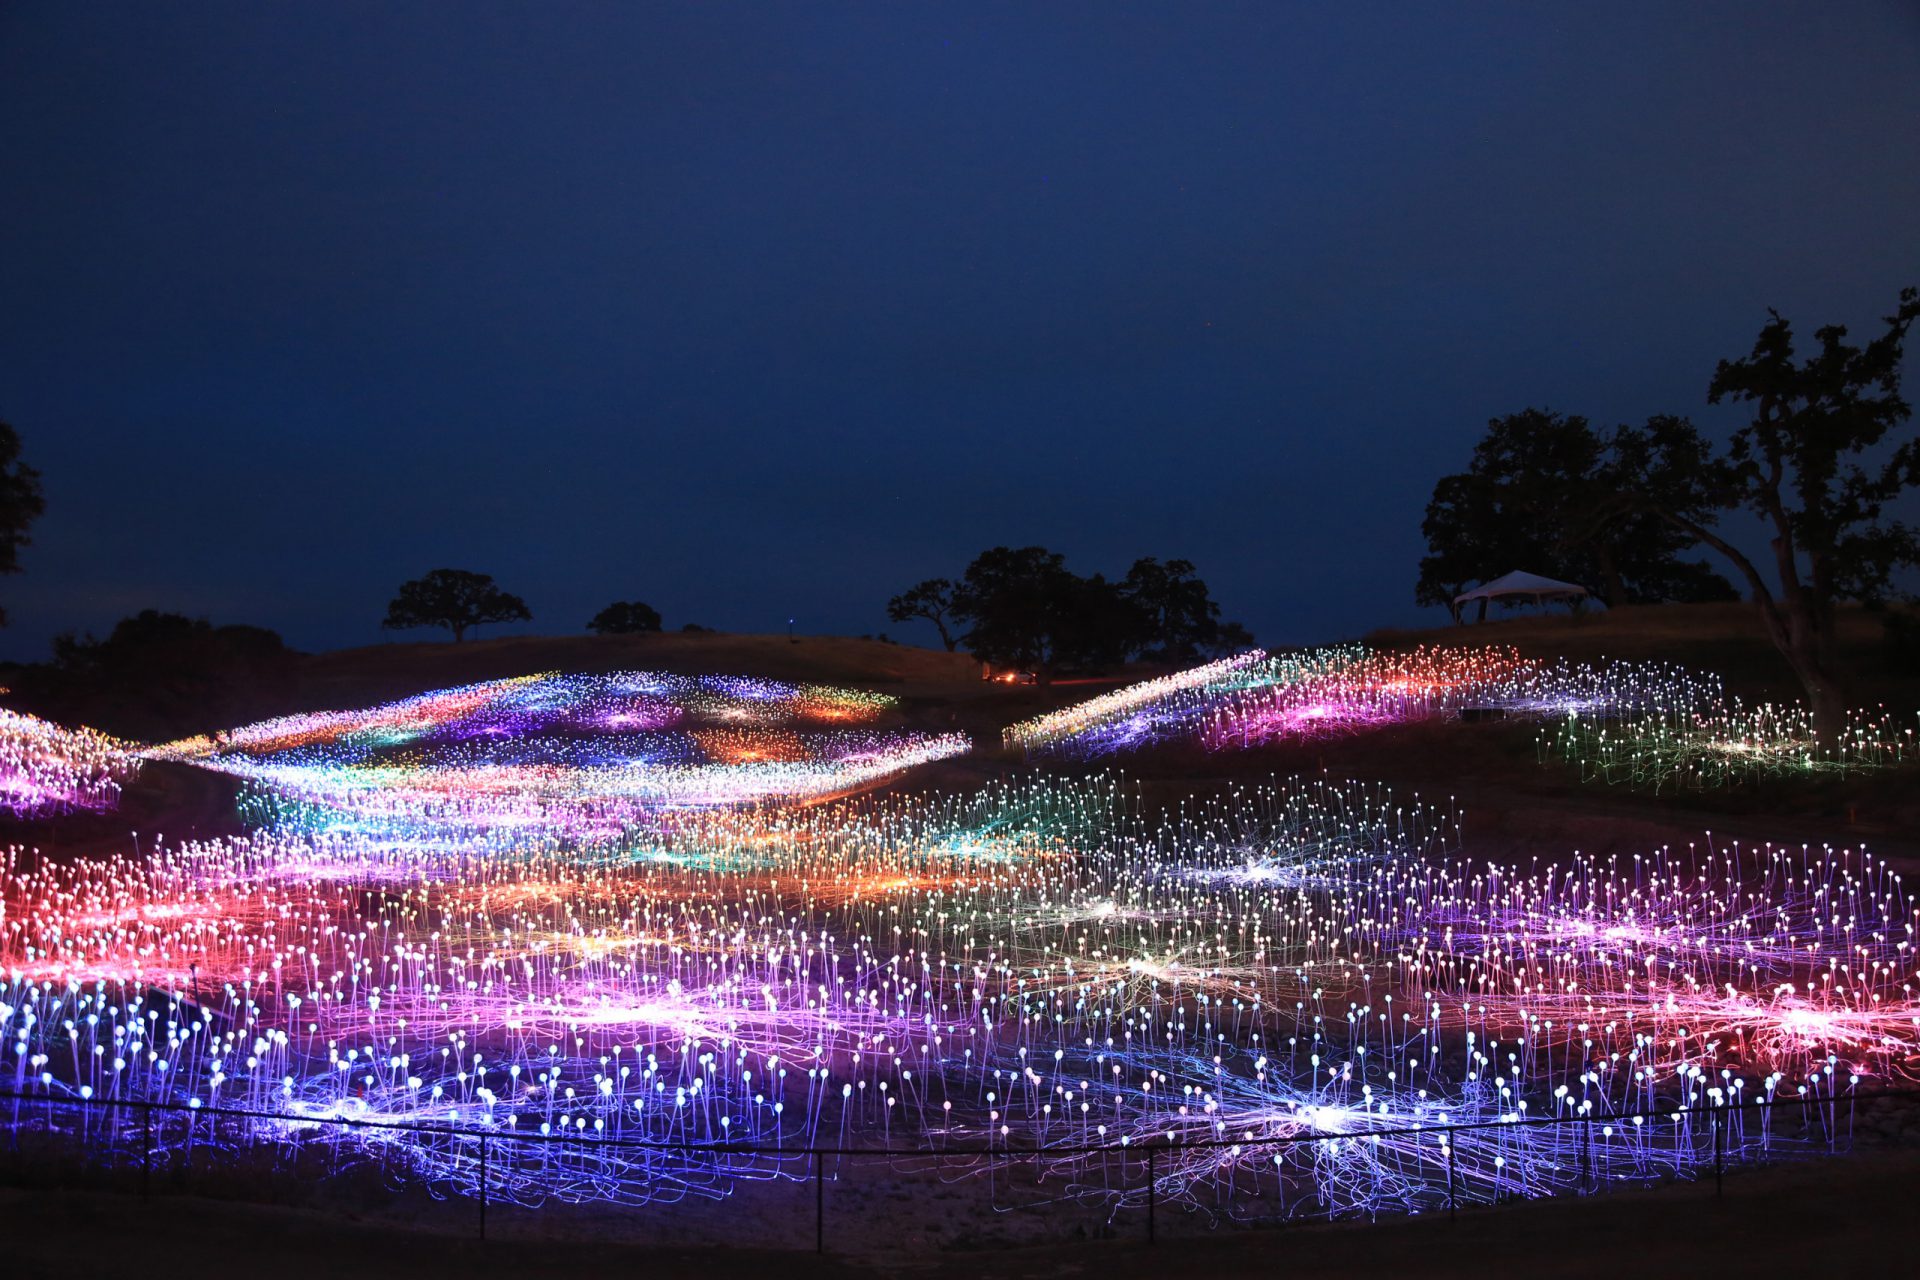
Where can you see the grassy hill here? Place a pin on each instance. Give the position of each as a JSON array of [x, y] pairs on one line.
[[1514, 803], [354, 677], [1726, 639]]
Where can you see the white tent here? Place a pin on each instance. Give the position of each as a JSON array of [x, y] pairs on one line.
[[1525, 586]]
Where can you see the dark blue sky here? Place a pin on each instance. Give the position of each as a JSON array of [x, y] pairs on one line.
[[756, 312]]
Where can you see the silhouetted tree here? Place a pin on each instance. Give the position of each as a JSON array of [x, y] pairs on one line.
[[21, 503], [455, 599], [1178, 618], [1099, 626], [1541, 494], [160, 675], [1818, 461], [1466, 535], [1025, 609], [625, 617], [932, 600], [1022, 607], [1232, 638], [1012, 602]]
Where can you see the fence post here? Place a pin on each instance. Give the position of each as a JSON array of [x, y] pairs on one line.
[[1719, 1172], [819, 1203], [1586, 1155], [146, 1151], [1153, 1195], [483, 1186], [1453, 1206]]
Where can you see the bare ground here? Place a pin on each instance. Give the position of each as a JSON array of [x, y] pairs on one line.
[[1831, 1217]]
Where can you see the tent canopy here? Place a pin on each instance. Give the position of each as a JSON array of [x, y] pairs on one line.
[[1523, 584]]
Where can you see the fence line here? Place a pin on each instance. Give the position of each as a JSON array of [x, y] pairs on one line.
[[1007, 1153], [510, 1133]]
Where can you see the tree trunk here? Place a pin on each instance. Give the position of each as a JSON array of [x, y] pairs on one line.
[[1828, 702], [1612, 583], [459, 634], [1801, 634], [1802, 640]]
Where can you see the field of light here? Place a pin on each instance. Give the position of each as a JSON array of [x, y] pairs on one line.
[[1643, 723], [46, 769], [637, 909], [568, 756]]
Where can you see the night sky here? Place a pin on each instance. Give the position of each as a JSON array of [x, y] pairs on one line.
[[757, 312]]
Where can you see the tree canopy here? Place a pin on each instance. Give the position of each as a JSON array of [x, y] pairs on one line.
[[932, 600], [1178, 620], [1540, 494], [159, 675], [1022, 607], [456, 599], [625, 617], [1826, 448]]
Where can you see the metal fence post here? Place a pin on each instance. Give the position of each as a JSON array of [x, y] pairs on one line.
[[1719, 1171], [1586, 1155], [1153, 1195], [1824, 1110]]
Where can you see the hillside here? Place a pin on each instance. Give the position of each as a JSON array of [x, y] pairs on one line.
[[1514, 803], [352, 677], [153, 695], [1726, 639], [1513, 810]]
